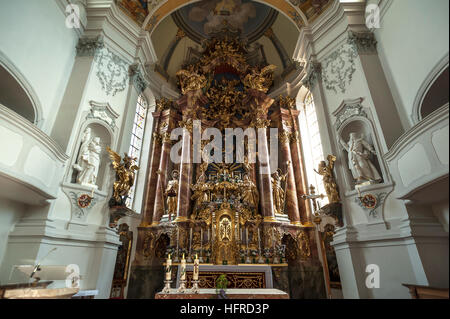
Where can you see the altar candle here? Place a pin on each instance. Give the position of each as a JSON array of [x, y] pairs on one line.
[[201, 240], [273, 238], [178, 239], [183, 269], [196, 268], [246, 236], [259, 241], [169, 269], [190, 242]]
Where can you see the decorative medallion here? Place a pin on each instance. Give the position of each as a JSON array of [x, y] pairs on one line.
[[81, 204], [84, 201], [371, 202]]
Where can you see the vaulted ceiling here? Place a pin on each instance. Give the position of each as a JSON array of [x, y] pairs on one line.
[[178, 26]]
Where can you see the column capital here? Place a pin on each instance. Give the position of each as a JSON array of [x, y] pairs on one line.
[[364, 42], [137, 78], [88, 46], [314, 74]]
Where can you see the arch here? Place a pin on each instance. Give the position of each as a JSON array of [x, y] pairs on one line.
[[292, 13], [14, 81], [107, 136], [427, 86], [363, 125]]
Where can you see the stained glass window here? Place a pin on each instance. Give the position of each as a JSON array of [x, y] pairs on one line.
[[137, 136], [312, 145]]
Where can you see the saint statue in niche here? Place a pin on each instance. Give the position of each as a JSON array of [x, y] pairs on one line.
[[359, 151], [91, 163], [88, 161]]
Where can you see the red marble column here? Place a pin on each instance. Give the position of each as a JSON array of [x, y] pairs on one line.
[[292, 205], [150, 189], [299, 171], [186, 172], [264, 177], [164, 165], [158, 211]]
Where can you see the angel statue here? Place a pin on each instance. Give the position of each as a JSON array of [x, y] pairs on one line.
[[278, 192], [359, 151], [328, 179], [260, 80], [125, 175]]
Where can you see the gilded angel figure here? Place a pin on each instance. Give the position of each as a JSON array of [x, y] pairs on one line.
[[125, 175], [326, 171]]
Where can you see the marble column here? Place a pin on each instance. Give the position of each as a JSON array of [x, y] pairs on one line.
[[291, 201], [186, 172], [264, 177], [149, 199], [299, 171], [164, 165]]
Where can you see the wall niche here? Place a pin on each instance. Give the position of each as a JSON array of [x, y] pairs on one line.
[[359, 147]]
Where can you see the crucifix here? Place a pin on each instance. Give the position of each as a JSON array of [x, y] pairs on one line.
[[313, 197]]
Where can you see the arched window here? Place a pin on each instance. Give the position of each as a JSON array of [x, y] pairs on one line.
[[137, 136], [312, 145]]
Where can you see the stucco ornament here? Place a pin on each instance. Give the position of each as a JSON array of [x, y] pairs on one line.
[[112, 72], [338, 68], [363, 170]]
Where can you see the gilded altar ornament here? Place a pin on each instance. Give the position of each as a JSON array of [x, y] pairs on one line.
[[286, 102], [250, 192], [125, 175], [163, 104], [303, 245], [278, 191], [171, 194], [326, 170], [190, 80], [260, 80]]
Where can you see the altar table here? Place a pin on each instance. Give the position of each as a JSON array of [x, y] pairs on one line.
[[230, 294], [248, 276]]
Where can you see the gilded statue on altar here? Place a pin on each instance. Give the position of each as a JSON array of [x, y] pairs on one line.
[[278, 192], [171, 193], [326, 170]]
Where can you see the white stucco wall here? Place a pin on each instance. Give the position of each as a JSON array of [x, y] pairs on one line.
[[35, 39], [412, 40]]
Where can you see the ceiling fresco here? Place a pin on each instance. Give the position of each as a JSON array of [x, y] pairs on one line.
[[149, 13], [200, 20]]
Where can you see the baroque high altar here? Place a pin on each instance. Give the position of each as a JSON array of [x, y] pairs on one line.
[[227, 214]]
